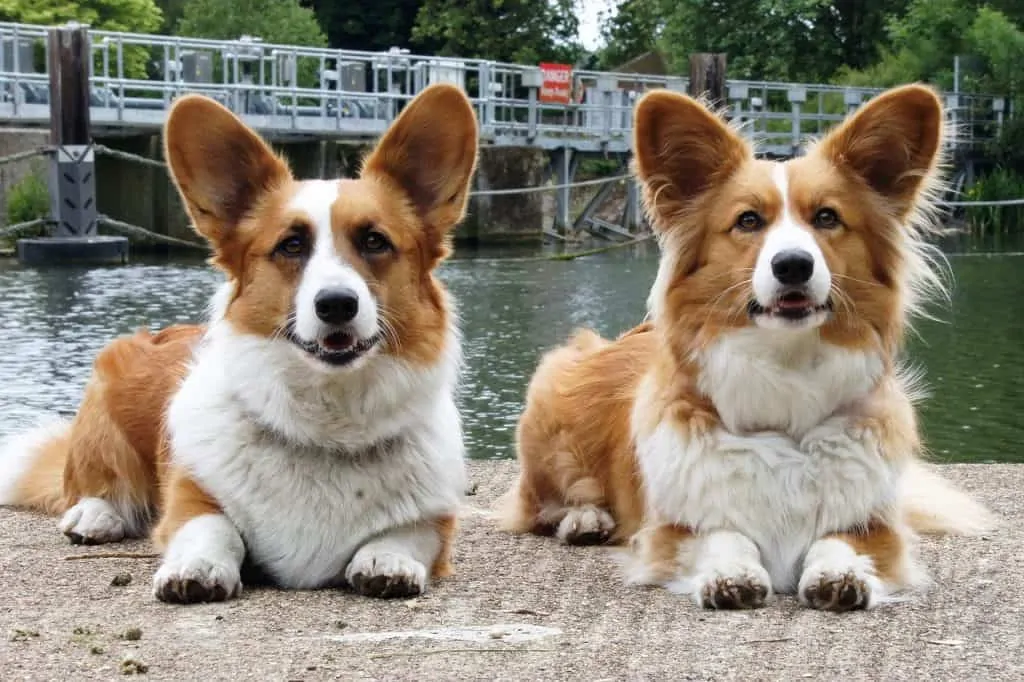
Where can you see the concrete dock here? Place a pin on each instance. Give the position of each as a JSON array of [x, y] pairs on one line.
[[519, 608]]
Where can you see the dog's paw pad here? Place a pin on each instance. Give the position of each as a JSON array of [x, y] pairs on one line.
[[588, 525], [196, 580], [386, 575], [740, 592], [92, 521], [836, 591]]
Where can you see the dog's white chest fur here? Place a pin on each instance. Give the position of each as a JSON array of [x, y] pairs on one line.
[[301, 508], [761, 380], [786, 466]]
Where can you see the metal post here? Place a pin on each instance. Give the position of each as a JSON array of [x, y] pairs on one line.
[[532, 80], [72, 167], [797, 96], [633, 214], [738, 94], [484, 92], [998, 106], [565, 169], [605, 89]]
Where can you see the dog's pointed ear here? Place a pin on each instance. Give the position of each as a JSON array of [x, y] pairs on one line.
[[221, 167], [681, 150], [893, 143], [430, 154]]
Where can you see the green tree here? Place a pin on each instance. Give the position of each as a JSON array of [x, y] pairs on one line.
[[630, 31], [776, 39], [171, 10], [372, 26], [520, 31], [275, 21], [140, 16], [134, 16], [923, 42]]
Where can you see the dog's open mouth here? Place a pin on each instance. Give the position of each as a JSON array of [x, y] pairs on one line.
[[338, 348], [791, 305]]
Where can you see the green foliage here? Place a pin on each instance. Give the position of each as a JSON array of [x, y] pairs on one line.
[[597, 167], [275, 21], [770, 42], [999, 43], [28, 199], [171, 10], [141, 16], [372, 26], [922, 44], [998, 185], [1008, 149], [133, 16], [775, 39], [523, 31], [630, 32]]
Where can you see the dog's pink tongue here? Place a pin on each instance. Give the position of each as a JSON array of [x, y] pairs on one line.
[[337, 341]]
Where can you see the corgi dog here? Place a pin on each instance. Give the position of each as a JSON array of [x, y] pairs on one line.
[[757, 433], [307, 432]]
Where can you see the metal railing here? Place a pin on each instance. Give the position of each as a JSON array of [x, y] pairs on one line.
[[287, 90]]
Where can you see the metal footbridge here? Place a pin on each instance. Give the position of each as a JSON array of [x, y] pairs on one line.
[[289, 92]]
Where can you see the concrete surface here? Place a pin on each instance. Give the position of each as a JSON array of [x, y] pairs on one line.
[[518, 609]]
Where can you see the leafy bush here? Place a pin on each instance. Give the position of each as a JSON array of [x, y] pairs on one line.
[[1007, 150], [1000, 184], [138, 16], [28, 199]]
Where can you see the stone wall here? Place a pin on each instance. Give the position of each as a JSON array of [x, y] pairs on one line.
[[495, 219], [145, 196]]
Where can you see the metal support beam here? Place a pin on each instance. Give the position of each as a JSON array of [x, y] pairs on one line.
[[565, 163], [632, 212]]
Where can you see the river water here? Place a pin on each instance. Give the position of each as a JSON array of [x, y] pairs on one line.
[[53, 321]]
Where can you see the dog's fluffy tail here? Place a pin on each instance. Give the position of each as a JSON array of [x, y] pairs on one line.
[[32, 466], [586, 340], [933, 505]]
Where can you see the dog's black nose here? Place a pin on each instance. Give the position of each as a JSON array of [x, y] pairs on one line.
[[336, 306], [793, 266]]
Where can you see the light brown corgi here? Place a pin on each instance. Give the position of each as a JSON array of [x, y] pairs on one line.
[[309, 429], [758, 433]]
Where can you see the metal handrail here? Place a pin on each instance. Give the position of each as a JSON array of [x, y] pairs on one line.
[[505, 107]]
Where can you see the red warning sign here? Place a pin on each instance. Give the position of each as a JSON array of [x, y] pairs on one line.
[[556, 87]]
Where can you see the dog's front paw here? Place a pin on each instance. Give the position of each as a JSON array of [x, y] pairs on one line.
[[740, 590], [587, 525], [836, 578], [194, 580], [93, 521], [835, 591], [385, 574]]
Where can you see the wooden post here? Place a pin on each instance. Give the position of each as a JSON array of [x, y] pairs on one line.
[[69, 56], [75, 237], [73, 166], [707, 77]]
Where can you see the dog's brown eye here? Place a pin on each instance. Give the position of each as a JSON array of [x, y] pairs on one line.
[[372, 241], [293, 246], [749, 221], [826, 219]]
